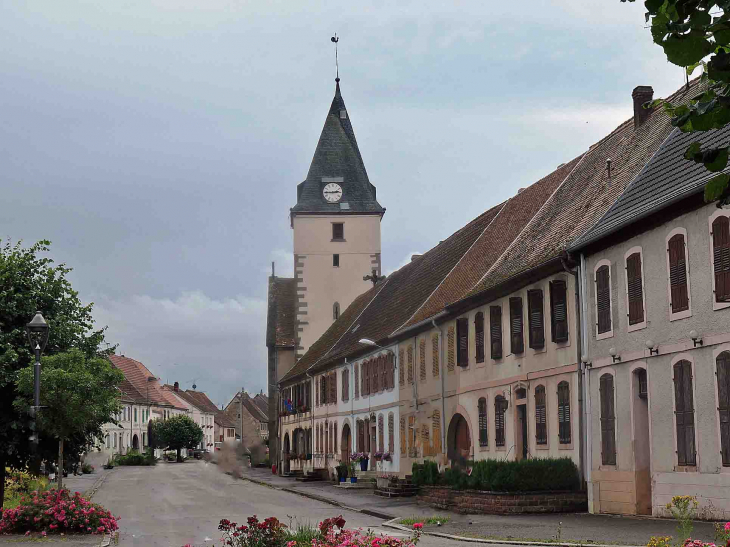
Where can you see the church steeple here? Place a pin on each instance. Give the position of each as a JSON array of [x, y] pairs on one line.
[[337, 159]]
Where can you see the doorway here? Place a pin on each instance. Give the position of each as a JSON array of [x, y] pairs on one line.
[[642, 455], [346, 444], [135, 442], [521, 442], [459, 441], [286, 453]]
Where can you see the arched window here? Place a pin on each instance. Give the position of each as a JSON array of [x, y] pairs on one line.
[[479, 336], [540, 416], [335, 311], [564, 429], [608, 421], [500, 407], [483, 431]]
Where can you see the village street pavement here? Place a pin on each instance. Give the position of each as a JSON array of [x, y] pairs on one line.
[[170, 505]]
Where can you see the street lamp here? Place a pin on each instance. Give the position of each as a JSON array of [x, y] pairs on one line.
[[37, 331]]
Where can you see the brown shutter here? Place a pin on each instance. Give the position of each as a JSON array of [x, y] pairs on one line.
[[678, 274], [375, 375], [462, 335], [495, 331], [363, 376], [564, 430], [380, 433], [559, 310], [479, 336], [635, 288], [540, 416], [608, 421], [483, 425], [316, 385], [356, 378], [410, 364], [333, 387], [721, 258], [723, 406], [401, 367], [603, 299], [500, 406], [403, 435], [684, 413], [422, 358], [450, 351], [535, 317], [515, 325], [435, 355], [391, 433]]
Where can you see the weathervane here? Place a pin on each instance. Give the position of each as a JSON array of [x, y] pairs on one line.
[[334, 40], [374, 277]]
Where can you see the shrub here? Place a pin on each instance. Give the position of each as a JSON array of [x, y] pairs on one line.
[[135, 458], [19, 483], [503, 476], [87, 469], [56, 511]]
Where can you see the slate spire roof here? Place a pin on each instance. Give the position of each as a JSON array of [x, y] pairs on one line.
[[337, 156]]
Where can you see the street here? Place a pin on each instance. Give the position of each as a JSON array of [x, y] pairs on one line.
[[170, 505]]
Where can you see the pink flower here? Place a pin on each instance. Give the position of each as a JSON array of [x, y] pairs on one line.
[[418, 526], [727, 526], [291, 543]]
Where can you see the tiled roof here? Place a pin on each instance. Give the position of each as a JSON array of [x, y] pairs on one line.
[[492, 242], [199, 399], [337, 155], [262, 401], [383, 309], [281, 315], [223, 420], [253, 409], [141, 384], [666, 179], [584, 196]]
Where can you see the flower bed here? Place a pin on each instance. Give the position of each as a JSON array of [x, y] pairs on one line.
[[502, 503], [56, 511]]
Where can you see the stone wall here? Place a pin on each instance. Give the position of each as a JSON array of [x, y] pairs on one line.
[[477, 501]]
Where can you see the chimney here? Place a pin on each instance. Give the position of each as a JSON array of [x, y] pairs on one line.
[[641, 95], [176, 387]]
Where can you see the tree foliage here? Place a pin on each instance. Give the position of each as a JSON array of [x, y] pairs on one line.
[[696, 33], [177, 433], [78, 396]]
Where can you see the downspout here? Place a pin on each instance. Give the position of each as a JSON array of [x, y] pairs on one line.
[[587, 377], [579, 353], [279, 470], [311, 417], [443, 386], [351, 394]]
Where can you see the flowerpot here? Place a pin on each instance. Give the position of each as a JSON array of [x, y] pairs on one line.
[[342, 479], [273, 469], [364, 464], [353, 480]]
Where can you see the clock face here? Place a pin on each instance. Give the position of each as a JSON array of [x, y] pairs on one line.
[[332, 192]]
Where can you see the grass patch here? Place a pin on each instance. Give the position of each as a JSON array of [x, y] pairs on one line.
[[410, 521], [473, 535]]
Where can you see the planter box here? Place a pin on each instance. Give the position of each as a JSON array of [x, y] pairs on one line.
[[382, 483], [503, 503]]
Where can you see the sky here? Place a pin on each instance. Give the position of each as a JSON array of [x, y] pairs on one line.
[[158, 143]]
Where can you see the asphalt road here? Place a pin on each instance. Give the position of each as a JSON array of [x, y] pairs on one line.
[[171, 505]]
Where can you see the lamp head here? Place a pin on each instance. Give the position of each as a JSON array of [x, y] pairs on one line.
[[367, 342], [693, 334], [612, 352], [650, 344], [37, 331], [584, 358]]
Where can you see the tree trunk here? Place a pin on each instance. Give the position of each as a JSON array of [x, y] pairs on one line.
[[60, 464], [2, 481], [179, 459]]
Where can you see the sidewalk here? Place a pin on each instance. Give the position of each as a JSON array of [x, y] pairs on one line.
[[565, 528]]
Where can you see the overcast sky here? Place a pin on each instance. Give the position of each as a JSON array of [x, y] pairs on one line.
[[158, 143]]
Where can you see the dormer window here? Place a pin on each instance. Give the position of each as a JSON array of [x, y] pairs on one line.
[[343, 114]]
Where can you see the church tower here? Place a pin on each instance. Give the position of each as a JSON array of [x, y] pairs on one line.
[[336, 224]]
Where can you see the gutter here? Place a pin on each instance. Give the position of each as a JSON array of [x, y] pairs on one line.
[[419, 325]]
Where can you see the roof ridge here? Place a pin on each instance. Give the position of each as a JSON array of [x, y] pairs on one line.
[[426, 300]]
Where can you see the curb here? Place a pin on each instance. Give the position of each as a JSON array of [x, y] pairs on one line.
[[393, 523], [97, 484], [322, 499]]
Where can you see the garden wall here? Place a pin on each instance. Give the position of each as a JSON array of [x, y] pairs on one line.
[[503, 503]]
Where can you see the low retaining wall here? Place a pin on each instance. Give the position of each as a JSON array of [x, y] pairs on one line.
[[502, 503]]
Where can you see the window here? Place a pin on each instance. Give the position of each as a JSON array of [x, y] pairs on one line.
[[436, 425], [334, 437], [323, 389], [462, 334], [410, 364], [540, 416], [479, 336], [535, 317], [335, 311], [564, 433], [559, 310], [603, 301], [684, 413], [336, 261], [345, 385], [366, 378], [338, 231], [374, 375], [721, 258], [357, 380], [403, 435], [422, 358], [500, 407], [678, 288], [495, 331], [635, 289], [135, 414], [381, 441], [435, 355], [723, 404], [483, 431], [333, 388], [643, 387], [401, 368], [515, 325], [391, 433], [451, 350], [608, 421]]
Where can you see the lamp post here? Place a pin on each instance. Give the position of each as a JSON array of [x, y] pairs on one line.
[[37, 331]]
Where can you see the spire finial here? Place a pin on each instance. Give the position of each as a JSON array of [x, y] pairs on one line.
[[334, 40]]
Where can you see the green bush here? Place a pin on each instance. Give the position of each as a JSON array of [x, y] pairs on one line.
[[529, 475], [135, 458]]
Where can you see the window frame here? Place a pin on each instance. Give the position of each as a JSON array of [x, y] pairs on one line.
[[551, 284], [600, 264], [479, 322], [502, 446], [522, 326], [335, 260], [536, 345], [614, 465], [696, 465], [544, 442], [641, 324], [492, 338], [462, 350], [334, 231], [718, 213], [483, 423], [688, 312]]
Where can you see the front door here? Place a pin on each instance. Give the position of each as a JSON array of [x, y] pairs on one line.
[[521, 451], [640, 409], [346, 443]]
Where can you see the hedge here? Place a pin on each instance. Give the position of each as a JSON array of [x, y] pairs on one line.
[[135, 458], [528, 475]]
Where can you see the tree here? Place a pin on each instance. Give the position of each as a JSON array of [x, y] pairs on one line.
[[689, 32], [177, 433], [30, 281], [78, 396]]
